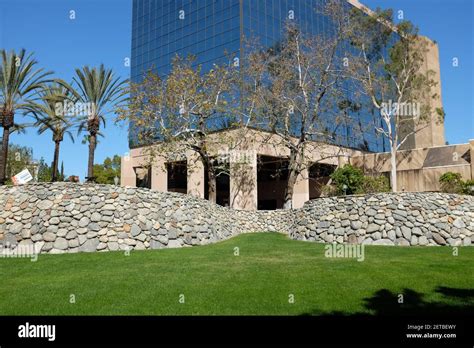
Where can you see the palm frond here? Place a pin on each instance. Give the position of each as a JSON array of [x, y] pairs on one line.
[[48, 112], [20, 80], [99, 87]]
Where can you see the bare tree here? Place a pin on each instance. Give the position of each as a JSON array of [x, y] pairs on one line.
[[387, 63], [302, 87], [184, 111]]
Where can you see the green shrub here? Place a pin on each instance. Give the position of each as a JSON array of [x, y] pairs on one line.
[[451, 182], [355, 182], [468, 187], [348, 180], [329, 191], [374, 184]]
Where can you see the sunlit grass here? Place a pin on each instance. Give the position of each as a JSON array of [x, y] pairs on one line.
[[269, 270]]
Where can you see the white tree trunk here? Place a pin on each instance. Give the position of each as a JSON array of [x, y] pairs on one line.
[[393, 168]]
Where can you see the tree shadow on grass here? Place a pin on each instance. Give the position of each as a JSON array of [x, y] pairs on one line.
[[409, 302]]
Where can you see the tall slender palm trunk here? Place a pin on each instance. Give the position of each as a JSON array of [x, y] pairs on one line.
[[54, 176], [90, 163], [4, 155]]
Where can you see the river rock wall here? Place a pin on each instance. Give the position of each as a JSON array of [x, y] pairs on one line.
[[388, 219], [66, 217]]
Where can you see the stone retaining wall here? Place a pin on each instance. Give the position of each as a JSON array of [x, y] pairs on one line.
[[388, 219], [65, 217], [62, 217]]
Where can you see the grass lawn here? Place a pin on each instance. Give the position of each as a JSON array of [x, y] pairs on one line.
[[259, 281]]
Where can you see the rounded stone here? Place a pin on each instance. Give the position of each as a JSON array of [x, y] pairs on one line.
[[71, 235], [422, 240], [45, 204], [54, 221], [49, 237], [73, 243], [16, 227], [84, 221], [94, 227], [101, 246], [373, 228], [61, 244], [113, 246], [391, 235], [402, 242], [376, 236], [96, 217], [438, 239], [459, 223], [383, 242], [135, 230]]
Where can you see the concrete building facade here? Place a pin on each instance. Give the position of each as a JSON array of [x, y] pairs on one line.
[[255, 180], [420, 169]]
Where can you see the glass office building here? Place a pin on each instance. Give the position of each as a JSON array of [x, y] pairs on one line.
[[208, 29], [164, 28]]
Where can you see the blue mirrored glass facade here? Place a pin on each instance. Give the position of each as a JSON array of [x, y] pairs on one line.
[[213, 30], [165, 28]]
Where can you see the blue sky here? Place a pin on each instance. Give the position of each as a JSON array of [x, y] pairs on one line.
[[101, 33]]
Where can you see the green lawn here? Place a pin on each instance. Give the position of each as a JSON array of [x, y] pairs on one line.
[[259, 281]]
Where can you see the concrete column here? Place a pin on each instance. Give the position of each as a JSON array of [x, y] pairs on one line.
[[195, 174], [301, 190], [342, 160], [471, 143], [127, 174], [159, 175], [243, 181]]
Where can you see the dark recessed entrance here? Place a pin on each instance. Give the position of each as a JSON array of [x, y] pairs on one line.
[[177, 176], [318, 178], [222, 184], [143, 177], [272, 178]]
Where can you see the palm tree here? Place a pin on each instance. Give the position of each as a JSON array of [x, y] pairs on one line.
[[53, 114], [97, 87], [19, 81]]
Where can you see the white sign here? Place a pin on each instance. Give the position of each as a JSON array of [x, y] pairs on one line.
[[22, 177]]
